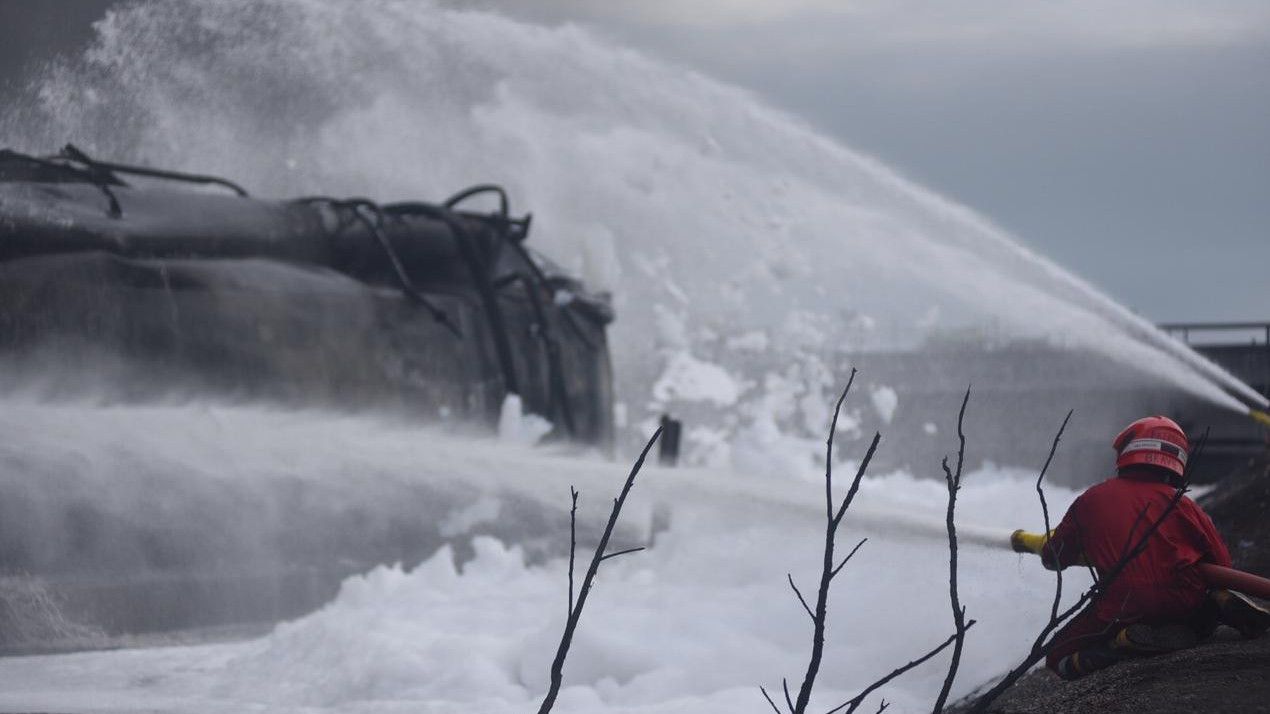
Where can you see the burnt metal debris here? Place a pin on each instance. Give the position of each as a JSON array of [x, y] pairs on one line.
[[135, 284], [144, 280]]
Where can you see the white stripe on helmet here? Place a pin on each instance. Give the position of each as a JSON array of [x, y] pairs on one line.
[[1164, 447]]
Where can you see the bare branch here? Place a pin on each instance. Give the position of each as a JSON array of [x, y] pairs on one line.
[[849, 555], [1128, 542], [1080, 535], [829, 570], [622, 552], [1045, 513], [855, 483], [882, 707], [833, 429], [573, 542], [768, 697], [819, 616], [852, 704], [575, 614], [833, 518], [953, 481], [801, 599]]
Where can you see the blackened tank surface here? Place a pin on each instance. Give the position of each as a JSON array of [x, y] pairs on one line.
[[175, 285], [162, 287]]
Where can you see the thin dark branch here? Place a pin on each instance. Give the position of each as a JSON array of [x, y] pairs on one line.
[[833, 428], [571, 624], [849, 555], [1045, 513], [1093, 573], [952, 480], [1128, 542], [854, 703], [785, 685], [1080, 535], [882, 707], [622, 552], [573, 542], [801, 599], [768, 697], [855, 483], [818, 616]]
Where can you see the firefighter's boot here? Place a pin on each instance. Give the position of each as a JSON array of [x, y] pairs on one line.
[[1241, 613], [1090, 659], [1141, 639]]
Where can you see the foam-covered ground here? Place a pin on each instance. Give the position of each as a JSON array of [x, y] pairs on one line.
[[694, 624]]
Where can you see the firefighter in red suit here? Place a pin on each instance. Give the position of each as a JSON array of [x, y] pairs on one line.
[[1158, 603]]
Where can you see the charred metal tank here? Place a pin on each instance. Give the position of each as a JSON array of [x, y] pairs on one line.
[[135, 285], [418, 307]]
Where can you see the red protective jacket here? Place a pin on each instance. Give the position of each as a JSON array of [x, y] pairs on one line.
[[1110, 518]]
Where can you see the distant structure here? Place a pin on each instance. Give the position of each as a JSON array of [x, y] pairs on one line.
[[1243, 349]]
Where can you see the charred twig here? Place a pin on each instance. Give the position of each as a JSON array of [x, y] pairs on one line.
[[575, 608], [573, 543], [854, 703], [832, 520], [849, 555], [1045, 514], [1044, 643], [834, 514], [1080, 535], [622, 552], [953, 480], [768, 697], [801, 599]]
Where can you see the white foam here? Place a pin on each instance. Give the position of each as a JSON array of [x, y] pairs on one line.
[[517, 426], [689, 379], [693, 624], [885, 401]]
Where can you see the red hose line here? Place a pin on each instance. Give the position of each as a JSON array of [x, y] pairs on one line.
[[1231, 579]]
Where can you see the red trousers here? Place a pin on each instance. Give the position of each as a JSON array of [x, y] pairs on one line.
[[1087, 629]]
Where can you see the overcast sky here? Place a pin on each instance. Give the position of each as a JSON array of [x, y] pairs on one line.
[[1129, 140]]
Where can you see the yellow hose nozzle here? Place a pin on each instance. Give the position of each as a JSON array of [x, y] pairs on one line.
[[1023, 542], [1260, 417]]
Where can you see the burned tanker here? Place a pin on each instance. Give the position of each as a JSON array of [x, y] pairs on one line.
[[143, 283], [121, 284]]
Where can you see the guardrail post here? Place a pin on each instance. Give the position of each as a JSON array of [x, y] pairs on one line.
[[668, 453]]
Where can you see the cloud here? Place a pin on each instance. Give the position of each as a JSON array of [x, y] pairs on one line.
[[1021, 25], [1101, 130], [990, 25], [709, 13]]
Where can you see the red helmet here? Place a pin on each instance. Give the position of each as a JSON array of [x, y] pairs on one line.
[[1154, 441]]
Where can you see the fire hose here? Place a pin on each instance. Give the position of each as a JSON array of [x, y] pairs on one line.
[[1217, 576]]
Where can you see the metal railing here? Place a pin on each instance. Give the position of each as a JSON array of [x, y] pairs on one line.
[[1186, 328], [1248, 360]]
